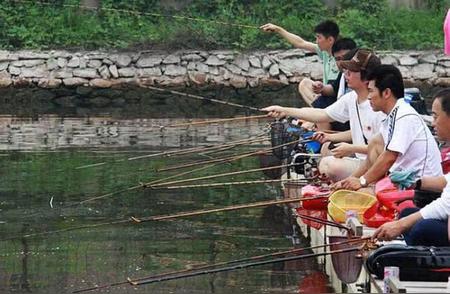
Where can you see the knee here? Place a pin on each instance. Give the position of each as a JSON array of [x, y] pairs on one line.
[[418, 233], [331, 167], [305, 86]]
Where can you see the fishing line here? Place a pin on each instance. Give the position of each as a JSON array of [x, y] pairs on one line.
[[138, 13]]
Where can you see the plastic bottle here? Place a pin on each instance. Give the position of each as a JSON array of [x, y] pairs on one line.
[[350, 214]]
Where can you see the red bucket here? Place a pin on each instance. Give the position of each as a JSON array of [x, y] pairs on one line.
[[390, 196], [377, 215], [315, 191]]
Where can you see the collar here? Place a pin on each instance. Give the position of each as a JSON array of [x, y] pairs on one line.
[[393, 111]]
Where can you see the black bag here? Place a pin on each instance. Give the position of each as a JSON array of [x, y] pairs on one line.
[[415, 99], [422, 197], [416, 263]]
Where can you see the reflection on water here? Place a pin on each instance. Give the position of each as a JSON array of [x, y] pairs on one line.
[[40, 191], [54, 132]]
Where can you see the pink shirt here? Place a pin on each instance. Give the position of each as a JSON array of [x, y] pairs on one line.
[[447, 34]]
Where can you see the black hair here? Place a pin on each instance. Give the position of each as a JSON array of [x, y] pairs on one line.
[[343, 44], [444, 98], [327, 28], [349, 55], [387, 76]]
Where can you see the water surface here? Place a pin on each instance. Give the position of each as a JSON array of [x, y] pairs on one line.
[[42, 185]]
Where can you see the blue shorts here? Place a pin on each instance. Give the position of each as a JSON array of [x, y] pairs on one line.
[[323, 101]]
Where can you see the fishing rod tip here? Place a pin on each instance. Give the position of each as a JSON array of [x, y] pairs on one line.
[[136, 220], [131, 281], [143, 185]]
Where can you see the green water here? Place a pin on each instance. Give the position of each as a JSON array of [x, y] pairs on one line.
[[30, 183]]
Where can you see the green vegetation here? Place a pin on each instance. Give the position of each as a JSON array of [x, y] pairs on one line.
[[63, 24]]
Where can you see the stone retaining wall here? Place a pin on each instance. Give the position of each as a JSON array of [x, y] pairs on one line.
[[53, 69]]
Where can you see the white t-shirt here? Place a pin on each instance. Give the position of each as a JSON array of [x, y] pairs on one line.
[[405, 132], [343, 89], [364, 122], [439, 208]]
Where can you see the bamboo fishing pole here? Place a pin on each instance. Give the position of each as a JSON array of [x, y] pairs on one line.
[[222, 209], [221, 175], [231, 158], [143, 185], [225, 263], [252, 258], [181, 152], [325, 222], [200, 148], [226, 184], [236, 157], [197, 123], [140, 185], [136, 220], [242, 266], [216, 160], [197, 97], [214, 163]]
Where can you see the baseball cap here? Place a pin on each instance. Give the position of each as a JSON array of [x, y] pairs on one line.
[[362, 61]]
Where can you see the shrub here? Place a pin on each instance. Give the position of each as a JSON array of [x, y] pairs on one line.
[[52, 24]]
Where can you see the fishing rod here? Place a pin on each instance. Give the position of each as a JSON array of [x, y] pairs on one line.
[[231, 158], [243, 265], [216, 160], [180, 152], [326, 222], [197, 97], [138, 13], [203, 267], [201, 148], [136, 220], [223, 209], [221, 175], [198, 123], [227, 184], [144, 185], [235, 157]]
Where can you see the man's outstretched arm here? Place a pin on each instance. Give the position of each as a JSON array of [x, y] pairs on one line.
[[293, 39]]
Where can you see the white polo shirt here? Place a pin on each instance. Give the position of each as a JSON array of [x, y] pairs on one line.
[[364, 122], [439, 208], [405, 132]]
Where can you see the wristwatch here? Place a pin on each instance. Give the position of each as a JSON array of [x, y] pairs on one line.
[[363, 181]]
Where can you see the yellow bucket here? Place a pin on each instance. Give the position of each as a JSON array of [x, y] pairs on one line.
[[343, 200]]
